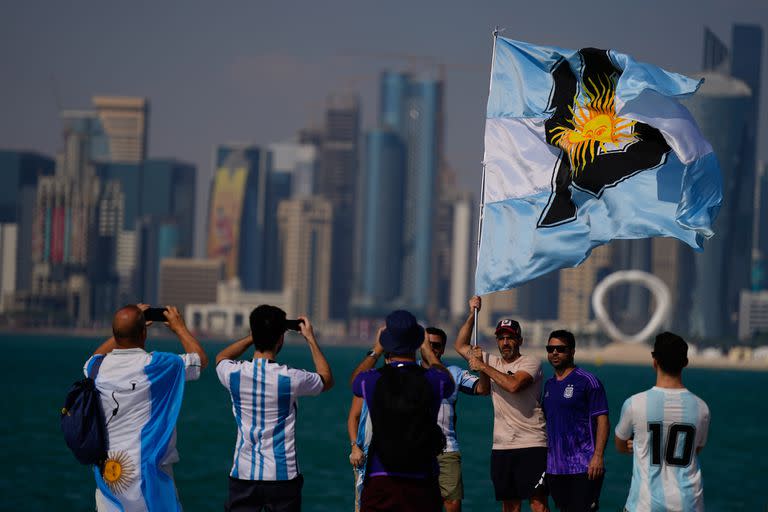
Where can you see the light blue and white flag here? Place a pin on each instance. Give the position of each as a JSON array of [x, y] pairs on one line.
[[583, 147], [141, 396]]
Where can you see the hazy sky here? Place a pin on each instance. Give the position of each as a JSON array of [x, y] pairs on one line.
[[257, 71]]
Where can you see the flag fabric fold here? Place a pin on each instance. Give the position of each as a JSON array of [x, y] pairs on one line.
[[583, 147]]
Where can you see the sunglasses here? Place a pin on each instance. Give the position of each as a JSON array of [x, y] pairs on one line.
[[436, 345], [560, 349]]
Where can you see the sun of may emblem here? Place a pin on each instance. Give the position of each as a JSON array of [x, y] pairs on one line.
[[119, 472], [593, 125]]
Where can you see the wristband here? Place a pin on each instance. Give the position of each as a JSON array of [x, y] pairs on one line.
[[372, 353]]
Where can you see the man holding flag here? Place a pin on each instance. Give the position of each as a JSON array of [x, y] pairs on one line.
[[583, 147]]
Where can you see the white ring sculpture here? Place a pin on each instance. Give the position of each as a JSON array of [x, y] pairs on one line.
[[655, 285]]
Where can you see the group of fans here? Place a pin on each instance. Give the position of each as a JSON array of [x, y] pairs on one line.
[[549, 438]]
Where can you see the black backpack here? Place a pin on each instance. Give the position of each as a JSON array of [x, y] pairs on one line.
[[406, 436], [82, 419]]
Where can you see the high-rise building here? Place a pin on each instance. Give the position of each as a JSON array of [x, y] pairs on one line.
[[760, 231], [720, 108], [306, 236], [463, 254], [188, 281], [577, 285], [381, 217], [300, 162], [20, 172], [337, 182], [157, 239], [168, 191], [746, 65], [412, 108], [672, 262], [124, 121], [293, 175], [9, 236], [237, 214], [753, 314]]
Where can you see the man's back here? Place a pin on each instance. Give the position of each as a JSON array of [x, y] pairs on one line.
[[141, 395], [669, 426], [264, 404]]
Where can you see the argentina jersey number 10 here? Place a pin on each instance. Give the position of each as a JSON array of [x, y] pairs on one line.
[[674, 453]]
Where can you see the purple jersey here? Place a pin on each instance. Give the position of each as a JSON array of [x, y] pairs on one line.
[[571, 407], [364, 386]]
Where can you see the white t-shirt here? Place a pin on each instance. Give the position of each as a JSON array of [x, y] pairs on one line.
[[667, 427], [264, 402], [518, 420], [129, 383]]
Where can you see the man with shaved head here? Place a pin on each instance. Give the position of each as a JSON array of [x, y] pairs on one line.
[[141, 396]]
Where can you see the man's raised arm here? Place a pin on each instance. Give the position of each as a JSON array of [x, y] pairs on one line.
[[322, 367], [369, 361], [234, 350], [465, 333], [188, 342]]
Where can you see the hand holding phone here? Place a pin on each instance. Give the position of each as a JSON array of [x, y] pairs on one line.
[[293, 325], [155, 315]]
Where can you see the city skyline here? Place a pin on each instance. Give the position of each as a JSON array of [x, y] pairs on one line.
[[253, 74]]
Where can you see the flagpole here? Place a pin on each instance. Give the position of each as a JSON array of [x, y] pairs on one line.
[[482, 187]]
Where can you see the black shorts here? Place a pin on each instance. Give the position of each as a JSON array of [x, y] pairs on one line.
[[575, 493], [276, 496], [518, 474]]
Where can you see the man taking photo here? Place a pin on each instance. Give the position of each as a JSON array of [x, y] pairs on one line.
[[141, 395], [265, 471]]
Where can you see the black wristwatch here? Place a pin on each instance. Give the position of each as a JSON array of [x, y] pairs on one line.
[[372, 353]]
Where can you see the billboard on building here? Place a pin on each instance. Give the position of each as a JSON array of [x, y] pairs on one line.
[[225, 216]]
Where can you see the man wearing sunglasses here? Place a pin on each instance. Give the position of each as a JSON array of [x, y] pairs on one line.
[[576, 410], [519, 453]]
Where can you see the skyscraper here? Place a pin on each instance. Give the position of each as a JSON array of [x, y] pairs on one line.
[[168, 191], [720, 108], [412, 108], [157, 239], [305, 236], [337, 182], [381, 215], [124, 121], [237, 213], [577, 285], [20, 172], [746, 65], [760, 231]]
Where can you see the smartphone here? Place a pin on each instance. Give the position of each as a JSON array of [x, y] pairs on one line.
[[293, 324], [154, 315]]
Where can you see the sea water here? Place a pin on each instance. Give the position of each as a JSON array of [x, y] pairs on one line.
[[39, 473]]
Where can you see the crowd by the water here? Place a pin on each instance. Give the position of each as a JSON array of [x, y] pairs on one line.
[[549, 438]]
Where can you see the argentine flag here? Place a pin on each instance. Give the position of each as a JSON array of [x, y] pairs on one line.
[[141, 395], [583, 147]]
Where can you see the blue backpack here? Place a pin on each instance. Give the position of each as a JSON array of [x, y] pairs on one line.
[[82, 419]]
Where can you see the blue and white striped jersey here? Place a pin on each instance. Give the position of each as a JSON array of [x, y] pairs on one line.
[[446, 416], [264, 401], [668, 426]]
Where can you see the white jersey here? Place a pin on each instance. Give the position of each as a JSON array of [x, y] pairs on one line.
[[264, 395], [668, 426], [141, 397]]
